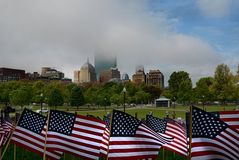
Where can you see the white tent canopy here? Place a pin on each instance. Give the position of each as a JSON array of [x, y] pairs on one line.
[[162, 102]]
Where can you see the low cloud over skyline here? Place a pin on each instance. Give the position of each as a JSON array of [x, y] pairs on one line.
[[63, 33]]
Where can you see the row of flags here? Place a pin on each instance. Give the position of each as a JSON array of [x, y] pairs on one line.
[[214, 135]]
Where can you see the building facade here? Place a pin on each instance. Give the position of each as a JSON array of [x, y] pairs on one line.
[[139, 76], [109, 74], [155, 77], [51, 73], [104, 62], [77, 76], [9, 74], [125, 78], [86, 74]]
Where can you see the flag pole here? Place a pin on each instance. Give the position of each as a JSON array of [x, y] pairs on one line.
[[111, 118], [190, 134], [163, 153], [47, 122], [15, 151]]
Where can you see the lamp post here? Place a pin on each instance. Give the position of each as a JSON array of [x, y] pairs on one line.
[[124, 91], [174, 107], [105, 103], [41, 95], [203, 102]]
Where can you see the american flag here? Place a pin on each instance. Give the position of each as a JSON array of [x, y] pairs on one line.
[[2, 135], [75, 134], [230, 117], [212, 138], [106, 119], [30, 134], [131, 139], [8, 128], [171, 128], [105, 143]]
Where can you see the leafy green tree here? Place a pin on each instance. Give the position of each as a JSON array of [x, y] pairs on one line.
[[180, 84], [203, 89], [38, 91], [90, 95], [55, 98], [153, 91], [4, 96], [238, 70], [131, 89], [185, 91], [167, 94], [76, 97], [116, 99], [142, 97], [223, 83], [21, 97]]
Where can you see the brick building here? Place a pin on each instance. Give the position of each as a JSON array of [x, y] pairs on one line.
[[9, 74]]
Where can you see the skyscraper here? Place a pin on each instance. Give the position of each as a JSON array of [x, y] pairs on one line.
[[104, 62], [109, 74], [86, 73], [155, 77], [139, 76]]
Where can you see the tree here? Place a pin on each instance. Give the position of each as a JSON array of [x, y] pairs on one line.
[[180, 84], [21, 97], [142, 97], [116, 99], [76, 97], [203, 89], [223, 83], [55, 98], [238, 70], [4, 94], [185, 91], [154, 91]]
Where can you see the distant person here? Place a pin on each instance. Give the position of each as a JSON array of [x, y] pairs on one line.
[[150, 113], [136, 115], [166, 114]]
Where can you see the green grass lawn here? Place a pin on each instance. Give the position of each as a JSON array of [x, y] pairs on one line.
[[157, 112]]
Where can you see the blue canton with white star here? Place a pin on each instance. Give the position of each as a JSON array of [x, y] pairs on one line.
[[123, 125], [157, 124], [32, 121], [61, 122], [205, 124]]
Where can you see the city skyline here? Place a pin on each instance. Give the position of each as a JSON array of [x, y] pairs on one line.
[[194, 36]]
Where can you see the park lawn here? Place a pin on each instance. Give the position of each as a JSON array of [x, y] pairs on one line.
[[140, 111], [160, 112]]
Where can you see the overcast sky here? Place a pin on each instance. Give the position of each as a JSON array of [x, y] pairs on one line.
[[190, 35]]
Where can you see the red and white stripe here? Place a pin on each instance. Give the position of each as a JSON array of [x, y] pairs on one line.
[[231, 118], [145, 145], [2, 136], [179, 143], [85, 140], [105, 143], [8, 128], [33, 142], [224, 146]]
